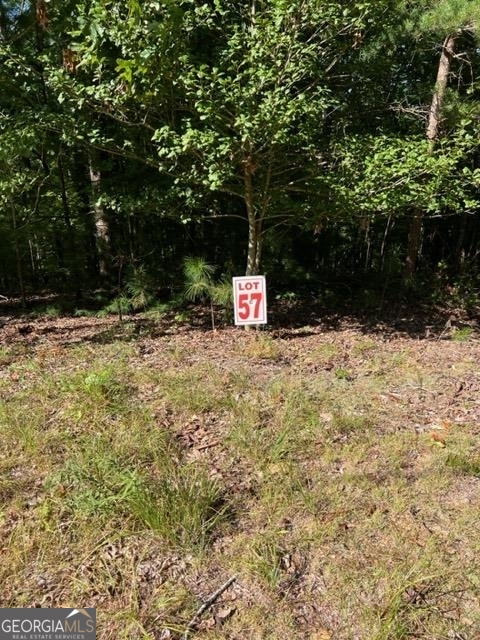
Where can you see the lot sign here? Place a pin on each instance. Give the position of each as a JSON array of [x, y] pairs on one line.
[[250, 300]]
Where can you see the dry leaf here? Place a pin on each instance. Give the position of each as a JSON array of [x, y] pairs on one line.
[[321, 634], [438, 439], [224, 614], [208, 623]]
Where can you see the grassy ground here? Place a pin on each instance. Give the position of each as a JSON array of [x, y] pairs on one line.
[[334, 474]]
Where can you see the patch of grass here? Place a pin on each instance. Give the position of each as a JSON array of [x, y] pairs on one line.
[[181, 317], [185, 507], [84, 313], [182, 505], [407, 609], [269, 431], [102, 391], [363, 345], [104, 385], [345, 424], [6, 356], [326, 351], [343, 374], [266, 560], [262, 347], [462, 335], [51, 311], [21, 430], [92, 483], [194, 389], [139, 484], [465, 464], [120, 306]]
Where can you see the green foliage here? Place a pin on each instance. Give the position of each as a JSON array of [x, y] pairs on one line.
[[463, 334], [136, 295], [466, 464], [184, 507], [95, 483], [200, 286], [198, 279], [139, 288], [104, 384], [449, 16], [454, 291], [295, 119], [343, 374], [266, 561], [120, 305], [222, 295], [390, 175]]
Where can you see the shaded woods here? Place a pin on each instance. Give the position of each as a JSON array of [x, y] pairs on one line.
[[333, 147]]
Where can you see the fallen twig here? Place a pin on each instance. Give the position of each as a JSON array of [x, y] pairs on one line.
[[207, 445], [207, 604]]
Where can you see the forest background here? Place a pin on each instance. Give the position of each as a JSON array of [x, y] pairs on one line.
[[318, 480], [333, 146]]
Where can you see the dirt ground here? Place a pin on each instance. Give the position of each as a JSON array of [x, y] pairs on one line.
[[340, 344]]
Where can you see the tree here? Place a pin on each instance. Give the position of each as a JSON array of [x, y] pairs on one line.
[[236, 94], [256, 102], [35, 149], [418, 161], [454, 18]]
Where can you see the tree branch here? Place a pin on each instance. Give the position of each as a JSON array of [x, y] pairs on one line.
[[207, 604]]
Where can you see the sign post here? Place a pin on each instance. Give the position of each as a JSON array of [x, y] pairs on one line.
[[250, 300]]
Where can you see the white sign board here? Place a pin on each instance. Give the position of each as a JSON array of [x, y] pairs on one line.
[[250, 300]]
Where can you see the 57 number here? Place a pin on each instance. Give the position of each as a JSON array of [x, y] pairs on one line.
[[245, 303]]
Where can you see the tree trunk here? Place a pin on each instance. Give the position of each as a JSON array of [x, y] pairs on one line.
[[433, 133], [18, 257], [254, 223], [72, 257], [414, 243], [435, 115], [384, 243], [3, 24], [367, 243], [460, 249], [102, 234]]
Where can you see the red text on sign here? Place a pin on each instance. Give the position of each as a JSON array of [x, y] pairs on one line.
[[245, 301], [247, 286], [250, 300]]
